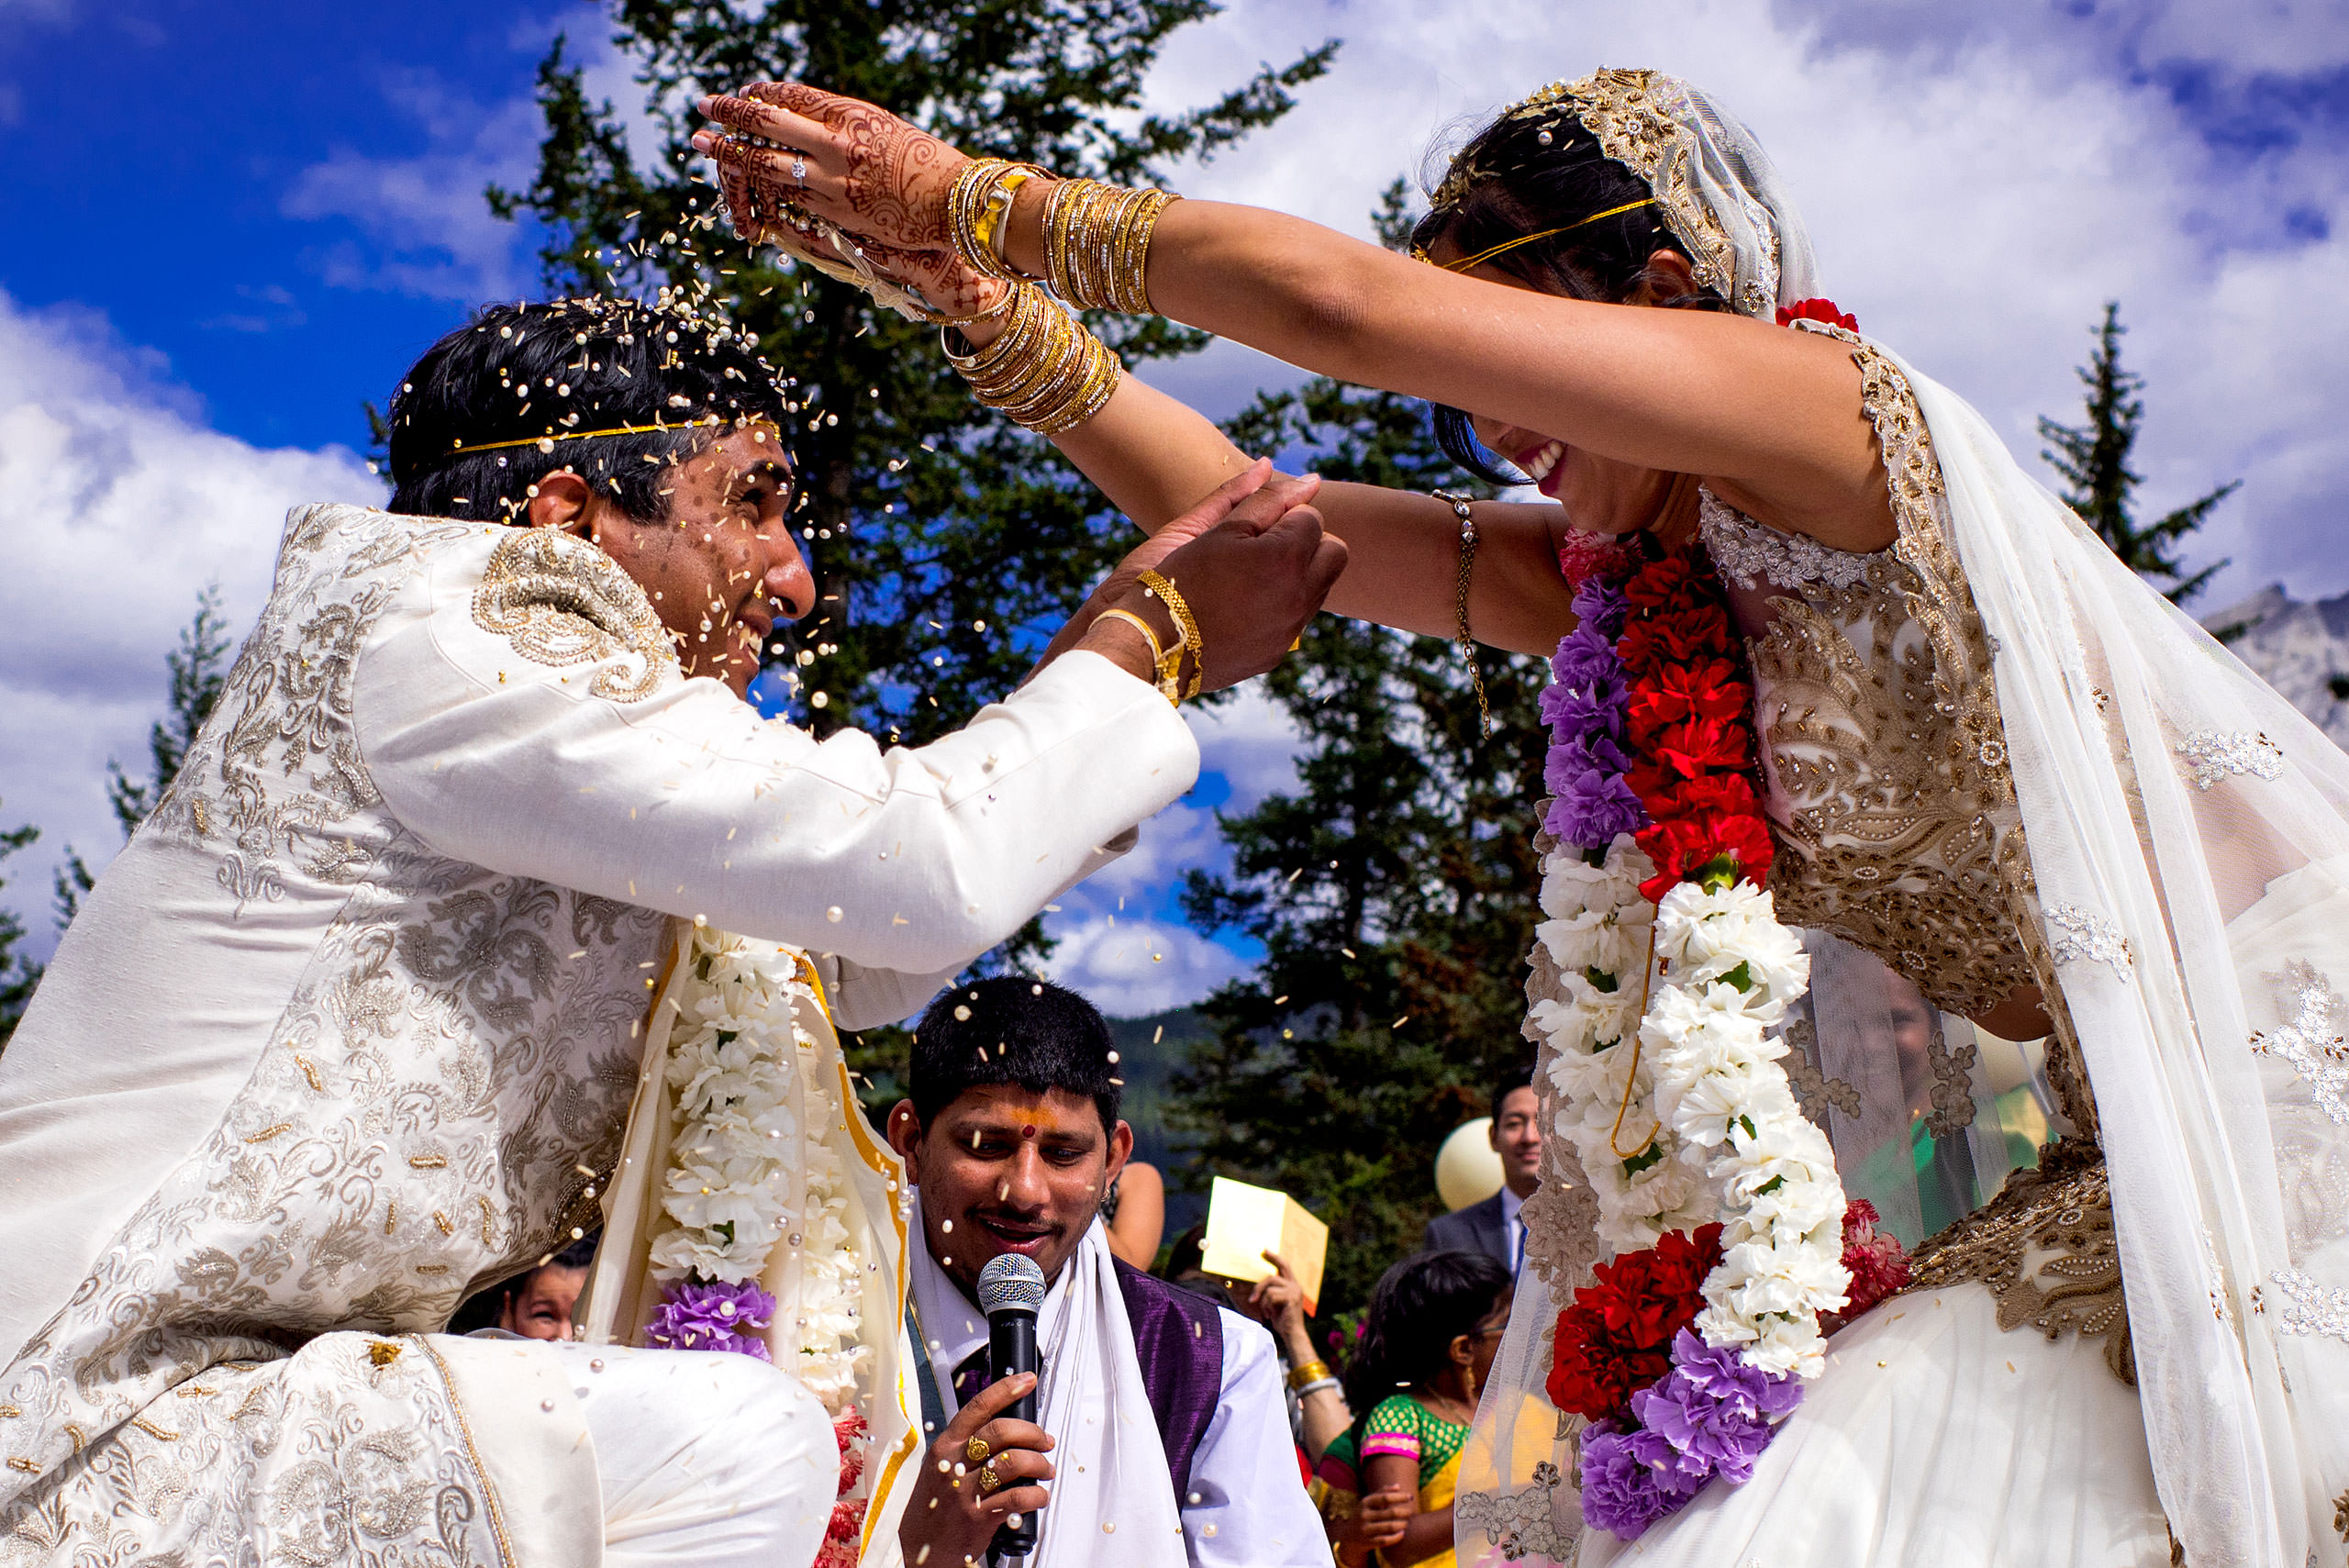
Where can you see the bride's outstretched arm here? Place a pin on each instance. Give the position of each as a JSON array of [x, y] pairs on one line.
[[1770, 418], [1153, 457]]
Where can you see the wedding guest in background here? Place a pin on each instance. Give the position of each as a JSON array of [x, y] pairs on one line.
[[1497, 1226], [1427, 1348], [1159, 1415], [537, 1304], [1135, 1211]]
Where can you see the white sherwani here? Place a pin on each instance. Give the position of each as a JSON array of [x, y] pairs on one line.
[[346, 1032]]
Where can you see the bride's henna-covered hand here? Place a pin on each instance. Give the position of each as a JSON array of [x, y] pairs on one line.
[[852, 164]]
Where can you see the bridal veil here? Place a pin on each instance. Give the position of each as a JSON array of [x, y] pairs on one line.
[[2187, 846]]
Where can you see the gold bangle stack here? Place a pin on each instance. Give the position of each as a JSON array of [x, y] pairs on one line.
[[1044, 369], [977, 203], [1096, 243], [1166, 592]]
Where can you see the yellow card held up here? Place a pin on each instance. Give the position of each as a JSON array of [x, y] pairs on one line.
[[1244, 1222]]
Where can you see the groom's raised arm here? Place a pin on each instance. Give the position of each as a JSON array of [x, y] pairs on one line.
[[619, 777]]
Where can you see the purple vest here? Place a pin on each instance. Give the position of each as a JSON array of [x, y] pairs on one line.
[[1179, 1339]]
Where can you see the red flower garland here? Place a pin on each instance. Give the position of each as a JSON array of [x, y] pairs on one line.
[[1690, 727], [1617, 1337], [1816, 310]]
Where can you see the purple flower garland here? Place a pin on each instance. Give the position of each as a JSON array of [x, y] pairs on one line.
[[711, 1315], [1711, 1415], [1586, 708]]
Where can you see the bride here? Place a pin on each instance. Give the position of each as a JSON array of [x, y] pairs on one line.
[[1990, 760]]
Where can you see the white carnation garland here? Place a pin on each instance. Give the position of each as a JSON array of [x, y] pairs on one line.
[[1729, 1142], [749, 1167]]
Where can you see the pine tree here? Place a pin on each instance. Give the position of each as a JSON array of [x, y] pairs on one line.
[[2093, 457], [948, 543], [1395, 892], [18, 973], [199, 667]]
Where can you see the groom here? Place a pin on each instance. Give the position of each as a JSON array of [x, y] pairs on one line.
[[415, 885], [1163, 1438]]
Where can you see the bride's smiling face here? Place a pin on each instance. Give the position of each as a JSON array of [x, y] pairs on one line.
[[1600, 495]]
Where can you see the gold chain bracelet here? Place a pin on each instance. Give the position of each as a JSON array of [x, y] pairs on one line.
[[1166, 664], [1166, 593], [1459, 504]]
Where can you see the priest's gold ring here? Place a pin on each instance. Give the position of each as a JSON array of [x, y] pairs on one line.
[[989, 1480], [976, 1451]]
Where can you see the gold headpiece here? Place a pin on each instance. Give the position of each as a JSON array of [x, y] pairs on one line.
[[1457, 180], [546, 443], [1490, 252]]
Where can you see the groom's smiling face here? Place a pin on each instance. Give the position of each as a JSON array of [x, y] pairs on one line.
[[1005, 1169]]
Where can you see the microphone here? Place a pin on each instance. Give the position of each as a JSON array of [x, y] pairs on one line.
[[1011, 1289]]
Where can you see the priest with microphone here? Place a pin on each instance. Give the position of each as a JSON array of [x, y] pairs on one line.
[[1154, 1431]]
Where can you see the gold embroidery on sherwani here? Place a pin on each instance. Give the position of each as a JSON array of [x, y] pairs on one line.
[[437, 1053], [562, 601]]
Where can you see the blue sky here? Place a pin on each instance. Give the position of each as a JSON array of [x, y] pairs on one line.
[[228, 224]]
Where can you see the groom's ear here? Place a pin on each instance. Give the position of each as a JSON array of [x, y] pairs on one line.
[[564, 501]]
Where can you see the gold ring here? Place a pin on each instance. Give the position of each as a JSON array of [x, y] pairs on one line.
[[989, 1480], [976, 1451]]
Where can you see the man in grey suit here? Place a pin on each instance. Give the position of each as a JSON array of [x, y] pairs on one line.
[[1494, 1227]]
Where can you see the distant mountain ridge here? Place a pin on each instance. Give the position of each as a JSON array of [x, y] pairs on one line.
[[2301, 649]]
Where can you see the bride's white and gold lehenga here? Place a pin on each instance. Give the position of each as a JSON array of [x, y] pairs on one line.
[[1996, 760]]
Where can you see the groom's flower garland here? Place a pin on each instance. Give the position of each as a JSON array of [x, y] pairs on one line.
[[1721, 1201], [742, 1089]]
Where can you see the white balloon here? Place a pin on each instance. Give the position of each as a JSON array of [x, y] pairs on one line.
[[1466, 1169]]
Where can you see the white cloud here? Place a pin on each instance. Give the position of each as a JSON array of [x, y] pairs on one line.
[[1977, 181], [118, 507], [427, 228], [1250, 739], [1131, 968], [429, 231]]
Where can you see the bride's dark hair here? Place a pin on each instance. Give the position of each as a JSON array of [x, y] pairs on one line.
[[1507, 182]]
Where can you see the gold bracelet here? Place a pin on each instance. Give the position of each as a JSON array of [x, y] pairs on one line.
[[1044, 369], [1459, 504], [1311, 1371], [1166, 593], [1167, 664], [1096, 243], [975, 204], [994, 224]]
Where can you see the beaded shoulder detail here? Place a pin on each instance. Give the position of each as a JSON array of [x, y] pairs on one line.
[[1751, 555], [1886, 758]]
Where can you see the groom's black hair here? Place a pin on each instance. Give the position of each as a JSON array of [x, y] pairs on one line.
[[1515, 184], [534, 373], [1013, 1028]]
